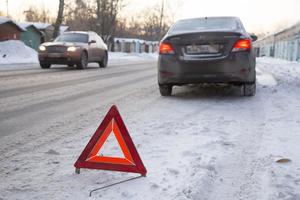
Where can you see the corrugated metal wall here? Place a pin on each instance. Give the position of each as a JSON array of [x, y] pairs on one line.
[[284, 45]]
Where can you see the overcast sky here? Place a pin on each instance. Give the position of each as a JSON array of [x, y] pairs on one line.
[[257, 15]]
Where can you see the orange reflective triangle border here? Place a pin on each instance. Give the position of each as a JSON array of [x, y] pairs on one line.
[[111, 124]]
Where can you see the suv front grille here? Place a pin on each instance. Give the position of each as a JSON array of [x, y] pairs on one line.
[[56, 49]]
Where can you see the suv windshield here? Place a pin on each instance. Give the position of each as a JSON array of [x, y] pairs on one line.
[[73, 37], [200, 24]]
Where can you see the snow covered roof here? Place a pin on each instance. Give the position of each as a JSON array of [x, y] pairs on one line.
[[288, 28], [26, 25], [130, 40], [63, 28], [38, 25], [4, 20], [277, 33]]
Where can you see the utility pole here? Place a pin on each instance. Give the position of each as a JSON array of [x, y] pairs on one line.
[[7, 8], [161, 17], [44, 12]]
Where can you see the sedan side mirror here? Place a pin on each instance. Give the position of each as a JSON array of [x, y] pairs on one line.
[[253, 37], [92, 42]]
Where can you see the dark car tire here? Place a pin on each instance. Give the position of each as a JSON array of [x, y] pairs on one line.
[[250, 89], [82, 64], [70, 65], [45, 66], [103, 62], [165, 90]]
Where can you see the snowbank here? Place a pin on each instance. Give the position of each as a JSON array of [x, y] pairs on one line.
[[14, 51], [115, 56]]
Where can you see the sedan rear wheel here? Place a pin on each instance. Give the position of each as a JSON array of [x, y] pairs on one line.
[[249, 89], [83, 61], [165, 90]]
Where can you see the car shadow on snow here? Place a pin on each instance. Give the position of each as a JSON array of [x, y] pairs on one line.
[[207, 91], [73, 68]]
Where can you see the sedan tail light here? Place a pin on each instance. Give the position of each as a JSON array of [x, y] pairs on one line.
[[242, 45], [166, 48]]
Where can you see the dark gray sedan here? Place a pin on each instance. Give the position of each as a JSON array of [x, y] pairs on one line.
[[207, 50]]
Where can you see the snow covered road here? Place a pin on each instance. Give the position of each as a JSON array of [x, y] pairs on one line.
[[203, 143]]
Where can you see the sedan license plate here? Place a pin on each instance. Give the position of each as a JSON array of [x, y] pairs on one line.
[[202, 49], [54, 55]]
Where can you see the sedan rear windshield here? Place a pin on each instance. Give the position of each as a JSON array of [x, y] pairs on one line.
[[203, 24], [73, 37]]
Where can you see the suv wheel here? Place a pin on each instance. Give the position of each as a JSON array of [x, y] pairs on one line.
[[83, 61], [165, 90], [45, 66], [249, 89], [103, 63]]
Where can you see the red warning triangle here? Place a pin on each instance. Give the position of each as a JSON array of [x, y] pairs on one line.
[[90, 158]]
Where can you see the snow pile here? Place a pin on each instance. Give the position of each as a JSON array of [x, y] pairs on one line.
[[14, 51], [119, 56]]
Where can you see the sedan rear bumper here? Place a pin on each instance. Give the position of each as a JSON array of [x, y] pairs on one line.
[[235, 68]]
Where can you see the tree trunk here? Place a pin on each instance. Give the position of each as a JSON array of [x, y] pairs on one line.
[[59, 18]]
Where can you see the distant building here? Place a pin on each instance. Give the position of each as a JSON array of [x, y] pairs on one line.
[[9, 30], [133, 45], [32, 37], [63, 29], [46, 28], [284, 44]]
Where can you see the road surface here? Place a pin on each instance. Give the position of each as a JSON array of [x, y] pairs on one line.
[[202, 143]]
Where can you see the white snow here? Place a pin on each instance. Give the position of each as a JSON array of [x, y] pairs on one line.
[[4, 20], [38, 25], [202, 144], [119, 57], [15, 51], [131, 40]]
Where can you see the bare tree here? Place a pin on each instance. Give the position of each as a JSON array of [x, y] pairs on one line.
[[79, 15], [106, 17], [156, 23], [33, 14], [59, 19], [131, 29]]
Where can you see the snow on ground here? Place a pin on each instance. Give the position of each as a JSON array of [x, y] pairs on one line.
[[202, 144], [14, 51]]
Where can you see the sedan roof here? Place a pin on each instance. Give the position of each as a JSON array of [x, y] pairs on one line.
[[232, 24]]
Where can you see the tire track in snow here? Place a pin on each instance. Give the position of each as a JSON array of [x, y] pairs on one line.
[[51, 103], [60, 84], [64, 70]]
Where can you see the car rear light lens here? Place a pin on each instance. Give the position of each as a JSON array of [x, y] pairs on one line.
[[242, 45], [166, 48]]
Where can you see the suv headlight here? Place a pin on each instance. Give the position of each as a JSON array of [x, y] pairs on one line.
[[42, 48], [72, 49]]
